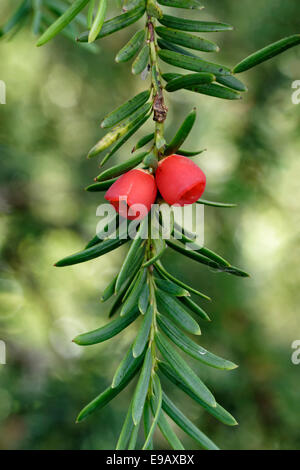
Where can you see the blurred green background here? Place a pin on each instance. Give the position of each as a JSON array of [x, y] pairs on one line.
[[56, 98]]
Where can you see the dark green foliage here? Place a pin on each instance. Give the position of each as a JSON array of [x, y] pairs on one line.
[[186, 40], [143, 288], [267, 53], [193, 26]]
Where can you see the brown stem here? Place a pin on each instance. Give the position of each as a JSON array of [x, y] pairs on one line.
[[160, 109]]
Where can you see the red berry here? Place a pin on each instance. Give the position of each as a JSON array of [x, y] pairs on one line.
[[179, 180], [133, 194]]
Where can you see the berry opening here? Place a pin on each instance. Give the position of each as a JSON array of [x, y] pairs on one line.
[[192, 195]]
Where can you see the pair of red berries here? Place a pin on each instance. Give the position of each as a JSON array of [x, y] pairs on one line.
[[178, 179]]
